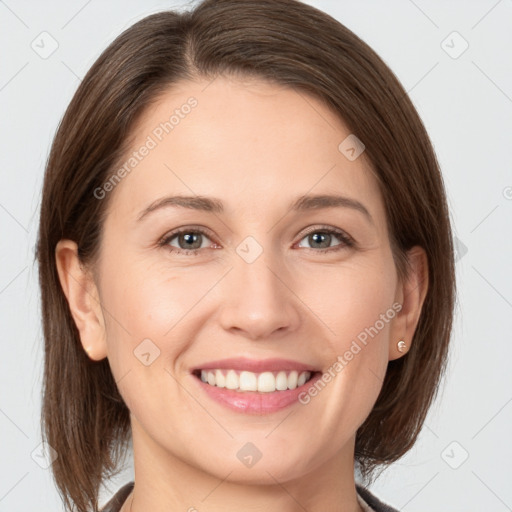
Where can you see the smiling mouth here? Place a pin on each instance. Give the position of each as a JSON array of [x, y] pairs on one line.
[[263, 382]]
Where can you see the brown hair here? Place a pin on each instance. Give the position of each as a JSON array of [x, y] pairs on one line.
[[286, 42]]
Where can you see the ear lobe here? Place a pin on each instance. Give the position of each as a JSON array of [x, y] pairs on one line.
[[83, 298], [411, 294]]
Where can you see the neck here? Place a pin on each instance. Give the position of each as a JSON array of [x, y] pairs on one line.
[[165, 482]]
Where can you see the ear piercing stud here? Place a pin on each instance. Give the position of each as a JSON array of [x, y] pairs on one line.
[[401, 345]]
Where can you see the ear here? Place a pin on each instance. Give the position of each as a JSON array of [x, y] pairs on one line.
[[83, 299], [411, 295]]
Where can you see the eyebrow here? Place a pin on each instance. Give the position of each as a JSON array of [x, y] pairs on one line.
[[214, 205]]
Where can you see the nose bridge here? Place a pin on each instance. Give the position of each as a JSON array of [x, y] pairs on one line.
[[260, 300]]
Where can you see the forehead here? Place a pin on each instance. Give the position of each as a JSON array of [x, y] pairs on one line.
[[254, 144]]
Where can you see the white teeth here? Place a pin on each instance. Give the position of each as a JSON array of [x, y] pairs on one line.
[[248, 381], [232, 380], [281, 381], [292, 380], [219, 378], [266, 382]]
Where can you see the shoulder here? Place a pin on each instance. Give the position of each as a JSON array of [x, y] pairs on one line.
[[372, 501], [116, 502]]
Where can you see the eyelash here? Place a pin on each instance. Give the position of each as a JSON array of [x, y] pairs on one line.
[[347, 241]]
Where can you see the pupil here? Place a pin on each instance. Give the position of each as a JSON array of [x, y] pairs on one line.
[[324, 235], [191, 238]]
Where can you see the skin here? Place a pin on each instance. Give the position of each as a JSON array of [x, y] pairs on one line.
[[256, 146]]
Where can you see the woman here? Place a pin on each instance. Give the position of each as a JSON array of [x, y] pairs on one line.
[[186, 304]]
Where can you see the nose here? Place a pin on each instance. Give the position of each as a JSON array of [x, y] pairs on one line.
[[258, 299]]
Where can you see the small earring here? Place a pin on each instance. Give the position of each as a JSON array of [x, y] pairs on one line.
[[402, 347]]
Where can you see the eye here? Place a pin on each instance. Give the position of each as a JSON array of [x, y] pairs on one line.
[[321, 238], [189, 241]]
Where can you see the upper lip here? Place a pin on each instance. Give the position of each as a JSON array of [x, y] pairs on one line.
[[255, 365]]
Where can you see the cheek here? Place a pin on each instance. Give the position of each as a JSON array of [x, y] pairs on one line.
[[355, 304], [149, 302], [350, 298]]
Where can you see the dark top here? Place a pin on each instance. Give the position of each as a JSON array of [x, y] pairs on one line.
[[373, 504]]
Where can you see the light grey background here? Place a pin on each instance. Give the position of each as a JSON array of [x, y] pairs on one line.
[[466, 104]]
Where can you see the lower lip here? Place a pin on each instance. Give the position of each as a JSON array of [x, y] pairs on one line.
[[253, 402]]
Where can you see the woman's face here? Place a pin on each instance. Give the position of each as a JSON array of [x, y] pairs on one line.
[[262, 280]]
